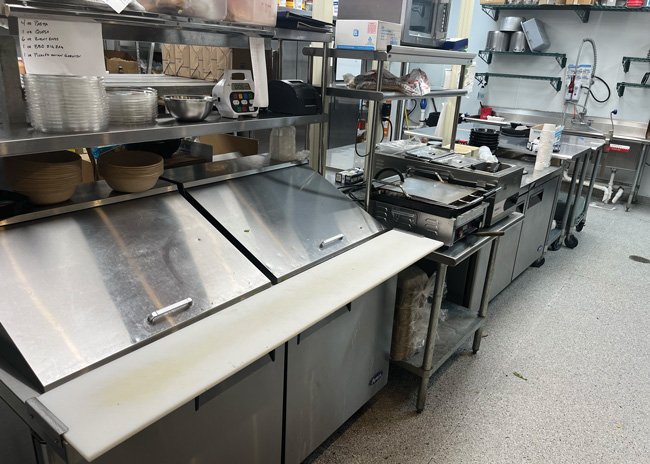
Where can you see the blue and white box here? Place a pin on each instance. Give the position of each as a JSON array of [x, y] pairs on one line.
[[377, 35]]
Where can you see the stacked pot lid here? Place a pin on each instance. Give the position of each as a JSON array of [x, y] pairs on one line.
[[46, 178], [130, 171], [484, 137], [66, 103], [132, 106]]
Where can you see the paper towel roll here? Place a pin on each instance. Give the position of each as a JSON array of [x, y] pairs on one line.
[[545, 147]]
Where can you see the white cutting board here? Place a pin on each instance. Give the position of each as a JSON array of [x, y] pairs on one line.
[[108, 405]]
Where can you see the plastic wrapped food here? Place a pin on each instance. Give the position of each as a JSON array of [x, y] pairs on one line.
[[214, 10], [412, 312], [415, 83], [261, 12]]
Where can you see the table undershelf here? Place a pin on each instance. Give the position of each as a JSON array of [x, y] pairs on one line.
[[459, 325]]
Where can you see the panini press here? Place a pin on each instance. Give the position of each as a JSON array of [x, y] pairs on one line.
[[442, 210], [450, 165]]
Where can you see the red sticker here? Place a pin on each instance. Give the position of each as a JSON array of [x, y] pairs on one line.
[[372, 28]]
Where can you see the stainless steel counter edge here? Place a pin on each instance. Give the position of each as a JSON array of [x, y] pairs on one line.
[[462, 250]]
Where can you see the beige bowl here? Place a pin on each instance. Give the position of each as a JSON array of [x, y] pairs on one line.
[[50, 197], [131, 184], [130, 171]]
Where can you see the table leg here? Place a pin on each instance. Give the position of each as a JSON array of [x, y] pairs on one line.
[[565, 217], [485, 297], [580, 188], [637, 177], [592, 181], [431, 336]]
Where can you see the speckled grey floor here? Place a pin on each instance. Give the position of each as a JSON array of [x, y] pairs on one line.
[[576, 329]]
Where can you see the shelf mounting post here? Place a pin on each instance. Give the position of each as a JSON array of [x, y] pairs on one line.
[[486, 56], [620, 88], [583, 13], [626, 65], [491, 12], [561, 60]]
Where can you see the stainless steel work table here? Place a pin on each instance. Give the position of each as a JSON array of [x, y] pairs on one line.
[[572, 149], [461, 322]]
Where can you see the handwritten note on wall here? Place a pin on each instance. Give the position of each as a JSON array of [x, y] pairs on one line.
[[62, 47]]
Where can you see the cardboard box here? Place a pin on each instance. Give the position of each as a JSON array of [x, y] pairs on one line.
[[196, 62], [182, 56], [579, 2], [366, 34], [116, 59], [493, 2], [224, 143], [169, 59], [220, 60]]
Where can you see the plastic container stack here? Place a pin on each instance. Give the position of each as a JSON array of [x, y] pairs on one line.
[[66, 103], [132, 106]]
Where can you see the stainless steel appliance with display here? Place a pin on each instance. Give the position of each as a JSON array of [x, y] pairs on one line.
[[506, 178], [446, 211], [424, 22]]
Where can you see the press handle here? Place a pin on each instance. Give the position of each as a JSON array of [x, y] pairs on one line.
[[183, 304], [331, 240]]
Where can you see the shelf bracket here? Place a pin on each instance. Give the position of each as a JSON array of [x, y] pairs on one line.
[[491, 12], [556, 84], [486, 56], [583, 14], [620, 88], [561, 60], [482, 79], [626, 65]]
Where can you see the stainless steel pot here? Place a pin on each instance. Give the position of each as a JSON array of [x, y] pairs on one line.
[[518, 42], [511, 23], [498, 41]]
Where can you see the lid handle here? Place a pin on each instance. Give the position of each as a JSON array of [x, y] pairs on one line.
[[183, 304], [331, 240]]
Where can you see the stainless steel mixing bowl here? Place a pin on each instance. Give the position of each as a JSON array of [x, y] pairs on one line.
[[189, 107]]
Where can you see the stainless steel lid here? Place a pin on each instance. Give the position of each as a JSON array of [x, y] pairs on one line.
[[286, 220], [83, 288]]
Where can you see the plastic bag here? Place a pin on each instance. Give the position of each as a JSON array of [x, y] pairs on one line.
[[485, 154], [415, 83], [412, 312]]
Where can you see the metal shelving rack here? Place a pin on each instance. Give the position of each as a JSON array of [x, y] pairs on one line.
[[19, 139], [483, 78], [486, 55], [583, 11], [395, 54]]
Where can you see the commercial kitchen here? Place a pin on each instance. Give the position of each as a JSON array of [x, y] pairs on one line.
[[260, 231]]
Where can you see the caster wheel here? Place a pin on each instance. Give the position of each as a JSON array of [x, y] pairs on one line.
[[571, 241], [580, 226], [556, 245], [539, 263]]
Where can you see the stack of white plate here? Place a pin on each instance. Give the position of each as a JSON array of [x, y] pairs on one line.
[[132, 106], [46, 178], [66, 103]]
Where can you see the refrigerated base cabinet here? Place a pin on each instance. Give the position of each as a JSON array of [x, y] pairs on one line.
[[335, 367]]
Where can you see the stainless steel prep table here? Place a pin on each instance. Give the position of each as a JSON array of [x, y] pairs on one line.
[[579, 150], [461, 322]]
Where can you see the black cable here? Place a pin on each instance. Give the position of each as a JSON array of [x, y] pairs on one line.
[[415, 105], [609, 91], [390, 130]]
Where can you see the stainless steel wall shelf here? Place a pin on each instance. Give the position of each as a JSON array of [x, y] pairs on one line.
[[486, 55], [24, 140], [483, 78]]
